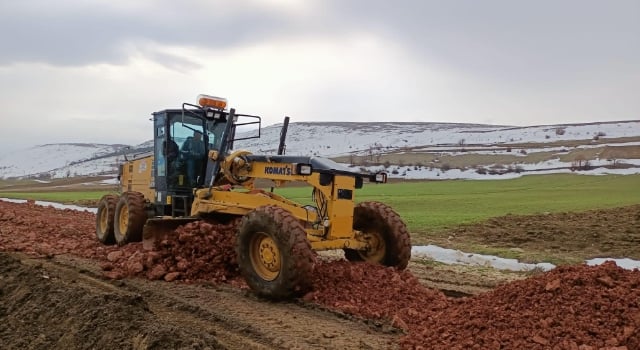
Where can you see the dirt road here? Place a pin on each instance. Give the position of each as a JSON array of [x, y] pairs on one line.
[[64, 303], [59, 288]]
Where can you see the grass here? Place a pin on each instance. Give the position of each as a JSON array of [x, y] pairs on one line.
[[434, 205], [429, 206]]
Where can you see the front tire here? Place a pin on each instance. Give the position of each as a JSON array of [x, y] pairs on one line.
[[386, 233], [104, 219], [130, 216], [274, 255]]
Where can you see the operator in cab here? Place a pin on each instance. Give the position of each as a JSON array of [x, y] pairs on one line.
[[193, 152]]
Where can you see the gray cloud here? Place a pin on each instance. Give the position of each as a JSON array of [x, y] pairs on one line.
[[83, 33], [535, 40], [505, 62]]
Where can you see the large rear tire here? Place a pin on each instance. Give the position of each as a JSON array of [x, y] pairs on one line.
[[129, 218], [104, 219], [385, 231], [274, 255]]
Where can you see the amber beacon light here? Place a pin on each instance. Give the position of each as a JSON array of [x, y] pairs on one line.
[[212, 101]]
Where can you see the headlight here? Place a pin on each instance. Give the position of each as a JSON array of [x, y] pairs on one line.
[[380, 178], [304, 169]]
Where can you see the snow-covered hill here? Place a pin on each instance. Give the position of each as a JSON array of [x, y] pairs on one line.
[[339, 139], [515, 150], [62, 160], [334, 139]]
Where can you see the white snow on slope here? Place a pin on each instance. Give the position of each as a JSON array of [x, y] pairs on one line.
[[335, 139], [47, 158], [424, 173], [63, 160]]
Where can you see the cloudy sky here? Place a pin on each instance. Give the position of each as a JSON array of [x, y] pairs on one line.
[[94, 70]]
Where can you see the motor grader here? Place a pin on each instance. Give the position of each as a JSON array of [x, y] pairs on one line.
[[193, 174]]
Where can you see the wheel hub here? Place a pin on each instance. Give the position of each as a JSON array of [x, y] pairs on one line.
[[265, 257], [377, 247], [103, 220], [124, 219]]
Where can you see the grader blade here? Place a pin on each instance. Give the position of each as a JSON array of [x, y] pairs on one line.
[[158, 229]]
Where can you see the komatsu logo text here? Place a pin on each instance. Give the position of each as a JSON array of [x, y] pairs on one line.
[[276, 170]]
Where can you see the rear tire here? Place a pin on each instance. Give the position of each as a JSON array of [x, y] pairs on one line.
[[104, 219], [274, 255], [130, 216], [385, 231]]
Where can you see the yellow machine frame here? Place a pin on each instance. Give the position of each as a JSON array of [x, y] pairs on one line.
[[336, 232], [135, 175]]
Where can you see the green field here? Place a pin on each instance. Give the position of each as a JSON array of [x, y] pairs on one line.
[[433, 205], [430, 206]]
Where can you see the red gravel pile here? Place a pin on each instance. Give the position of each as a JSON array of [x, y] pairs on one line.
[[46, 231], [200, 250], [577, 307], [374, 291], [197, 251]]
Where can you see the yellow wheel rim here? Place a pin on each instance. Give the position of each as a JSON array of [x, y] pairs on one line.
[[123, 219], [265, 256], [104, 218], [377, 249]]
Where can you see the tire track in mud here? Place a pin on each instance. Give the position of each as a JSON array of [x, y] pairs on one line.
[[460, 280], [235, 318]]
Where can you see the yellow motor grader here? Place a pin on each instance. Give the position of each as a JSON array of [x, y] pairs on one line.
[[194, 174]]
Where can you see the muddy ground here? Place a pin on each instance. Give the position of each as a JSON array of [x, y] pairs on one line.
[[556, 237], [61, 289]]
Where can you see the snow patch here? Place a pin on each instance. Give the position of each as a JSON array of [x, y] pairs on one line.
[[52, 204], [452, 256], [625, 263]]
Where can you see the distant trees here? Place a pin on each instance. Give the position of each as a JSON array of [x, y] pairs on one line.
[[580, 162], [598, 135]]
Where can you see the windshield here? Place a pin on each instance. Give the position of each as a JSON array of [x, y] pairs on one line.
[[183, 129], [180, 130], [190, 139]]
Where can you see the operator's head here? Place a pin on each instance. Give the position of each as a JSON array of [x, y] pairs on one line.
[[197, 135]]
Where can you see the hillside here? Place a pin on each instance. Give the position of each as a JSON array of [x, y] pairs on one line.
[[339, 139], [65, 160], [406, 150]]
